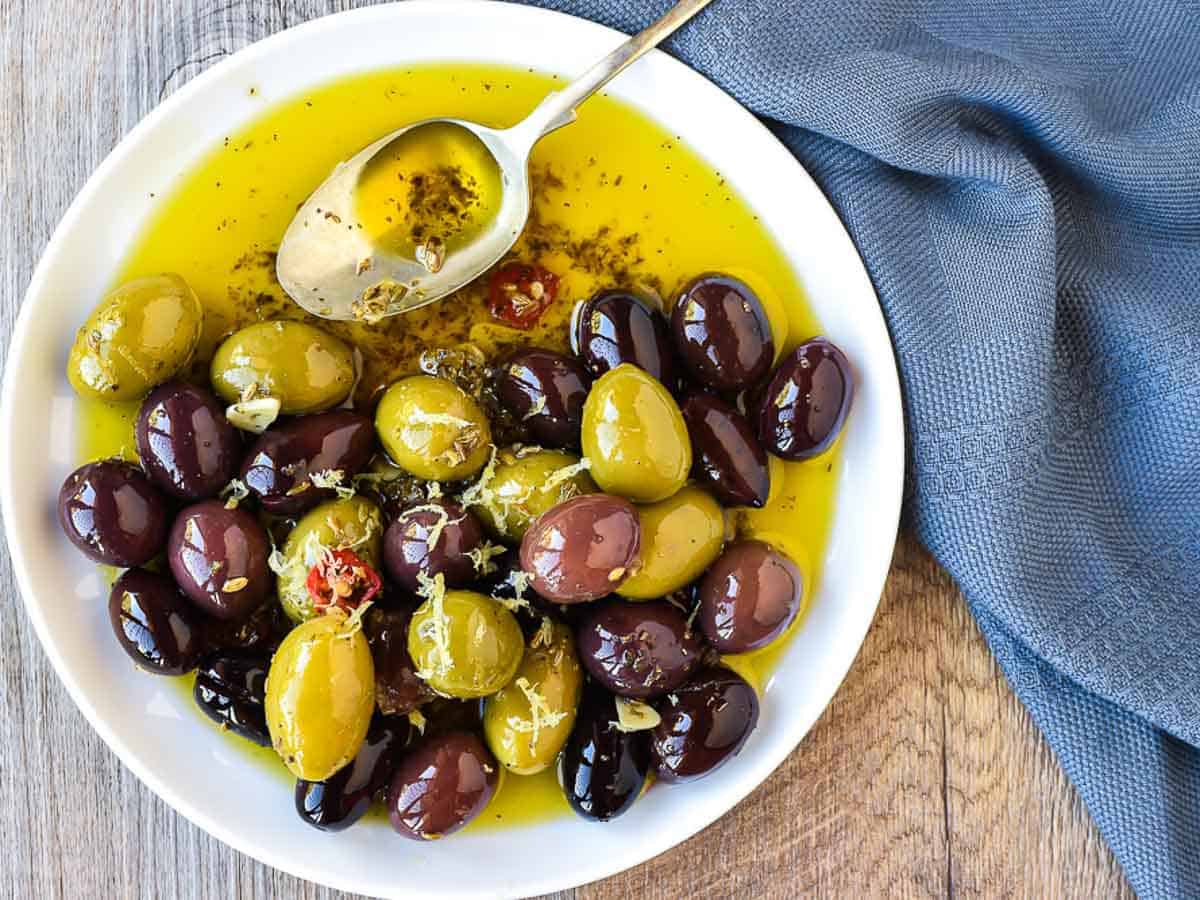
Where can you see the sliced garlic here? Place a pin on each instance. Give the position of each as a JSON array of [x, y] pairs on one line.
[[634, 715], [253, 415]]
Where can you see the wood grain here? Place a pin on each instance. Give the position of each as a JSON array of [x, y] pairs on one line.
[[925, 777]]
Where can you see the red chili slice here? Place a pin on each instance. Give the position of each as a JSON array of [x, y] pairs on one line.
[[518, 293], [342, 578]]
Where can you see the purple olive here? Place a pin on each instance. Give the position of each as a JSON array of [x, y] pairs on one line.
[[581, 549], [617, 327], [546, 391], [279, 466], [454, 532], [748, 597], [704, 724], [398, 689], [188, 447], [443, 783], [637, 649], [154, 623], [112, 513], [345, 796], [728, 458], [806, 401], [603, 769], [722, 333], [219, 559], [231, 688]]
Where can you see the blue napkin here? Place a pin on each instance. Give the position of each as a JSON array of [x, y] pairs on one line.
[[1022, 178]]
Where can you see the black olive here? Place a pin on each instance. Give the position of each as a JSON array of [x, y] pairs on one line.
[[231, 689], [602, 768]]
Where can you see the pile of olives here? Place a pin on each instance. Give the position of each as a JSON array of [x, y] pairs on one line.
[[404, 610]]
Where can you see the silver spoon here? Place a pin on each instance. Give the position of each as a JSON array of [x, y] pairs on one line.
[[335, 270]]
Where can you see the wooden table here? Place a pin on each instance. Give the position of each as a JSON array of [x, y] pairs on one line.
[[924, 777]]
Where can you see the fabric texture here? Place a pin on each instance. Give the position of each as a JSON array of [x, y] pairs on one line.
[[1022, 178]]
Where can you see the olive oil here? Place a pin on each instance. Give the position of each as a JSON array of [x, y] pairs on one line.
[[618, 202]]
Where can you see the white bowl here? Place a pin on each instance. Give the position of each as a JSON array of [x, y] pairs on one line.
[[149, 725]]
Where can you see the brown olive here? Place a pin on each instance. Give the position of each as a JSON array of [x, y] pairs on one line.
[[398, 689], [545, 390], [440, 785], [433, 538], [722, 333], [748, 597], [154, 623], [637, 649], [617, 327], [219, 559], [728, 460], [582, 549], [805, 403], [112, 513], [186, 444], [704, 724]]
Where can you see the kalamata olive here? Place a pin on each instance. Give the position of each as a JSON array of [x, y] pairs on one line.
[[333, 446], [617, 327], [262, 629], [440, 785], [722, 333], [219, 559], [545, 390], [398, 690], [727, 458], [112, 513], [581, 549], [638, 649], [342, 799], [806, 401], [602, 768], [154, 623], [231, 687], [748, 597], [186, 444], [434, 538], [704, 724]]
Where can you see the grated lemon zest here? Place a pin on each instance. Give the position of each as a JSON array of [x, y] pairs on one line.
[[234, 493], [417, 719], [481, 557], [540, 713], [436, 627]]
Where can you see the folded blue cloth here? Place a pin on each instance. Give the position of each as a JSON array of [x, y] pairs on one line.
[[1022, 178]]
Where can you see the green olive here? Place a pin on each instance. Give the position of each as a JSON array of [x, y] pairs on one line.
[[141, 334], [529, 720], [681, 537], [352, 524], [464, 644], [304, 368], [320, 695], [634, 436], [524, 484], [431, 428]]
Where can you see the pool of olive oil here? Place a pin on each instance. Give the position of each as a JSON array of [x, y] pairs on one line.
[[618, 202]]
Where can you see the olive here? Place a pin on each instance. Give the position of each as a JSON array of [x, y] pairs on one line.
[[703, 724], [231, 689], [582, 549], [263, 629], [806, 401], [111, 512], [729, 460], [526, 482], [329, 447], [749, 597], [465, 645], [527, 722], [154, 623], [304, 368], [140, 335], [616, 327], [354, 523], [634, 437], [680, 537], [398, 688], [219, 559], [344, 797], [431, 428], [638, 649], [722, 333], [440, 785], [320, 695], [603, 769], [434, 538], [445, 714], [186, 444], [545, 390]]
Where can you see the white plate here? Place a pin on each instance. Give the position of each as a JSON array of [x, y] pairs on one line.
[[148, 723]]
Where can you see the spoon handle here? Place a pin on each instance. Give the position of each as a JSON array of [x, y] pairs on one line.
[[558, 108]]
